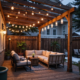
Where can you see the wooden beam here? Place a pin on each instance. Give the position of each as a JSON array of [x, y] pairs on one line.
[[2, 13], [58, 17], [28, 13], [69, 68], [39, 40], [66, 17], [28, 9], [54, 4], [46, 8]]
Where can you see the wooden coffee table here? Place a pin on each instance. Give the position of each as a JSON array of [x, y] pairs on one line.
[[34, 61]]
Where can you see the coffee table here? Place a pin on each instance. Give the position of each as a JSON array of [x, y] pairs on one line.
[[34, 61]]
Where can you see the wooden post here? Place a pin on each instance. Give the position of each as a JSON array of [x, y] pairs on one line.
[[39, 40], [69, 68]]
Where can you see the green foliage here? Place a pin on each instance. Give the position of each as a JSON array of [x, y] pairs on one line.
[[7, 53], [76, 19], [55, 45], [21, 46]]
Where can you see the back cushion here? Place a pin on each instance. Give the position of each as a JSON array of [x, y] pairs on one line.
[[44, 53], [47, 53], [60, 53], [29, 52], [16, 56], [53, 53], [38, 52], [12, 53]]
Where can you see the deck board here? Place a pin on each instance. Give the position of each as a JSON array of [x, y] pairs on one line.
[[49, 74]]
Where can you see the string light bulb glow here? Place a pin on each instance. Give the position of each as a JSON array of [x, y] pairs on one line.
[[16, 26], [48, 27], [45, 28], [33, 24], [42, 29], [32, 13], [38, 22], [18, 12], [47, 14], [16, 17], [19, 26], [26, 12], [42, 19], [51, 25], [52, 9], [61, 21], [9, 22], [12, 8], [23, 14], [39, 12], [56, 23], [26, 26], [22, 26], [12, 24], [8, 16]]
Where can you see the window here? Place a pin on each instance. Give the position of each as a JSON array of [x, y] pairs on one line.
[[48, 31], [54, 32], [63, 30]]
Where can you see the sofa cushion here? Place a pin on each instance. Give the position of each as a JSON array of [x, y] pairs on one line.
[[44, 53], [21, 63], [38, 52], [47, 53], [29, 52], [60, 53], [46, 60], [12, 53], [53, 53], [16, 57]]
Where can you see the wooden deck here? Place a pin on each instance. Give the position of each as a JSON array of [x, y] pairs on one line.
[[55, 74]]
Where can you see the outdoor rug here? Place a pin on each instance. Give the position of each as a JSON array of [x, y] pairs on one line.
[[37, 68]]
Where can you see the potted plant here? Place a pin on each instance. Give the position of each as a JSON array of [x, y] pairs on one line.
[[33, 55], [21, 46], [7, 54], [55, 45]]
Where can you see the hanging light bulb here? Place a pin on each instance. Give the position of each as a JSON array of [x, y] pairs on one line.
[[39, 12], [23, 14], [42, 29], [45, 28], [52, 9], [32, 13], [16, 26], [22, 26], [18, 12], [19, 26], [47, 14], [12, 8], [9, 22], [21, 31], [16, 17], [7, 27], [12, 24], [29, 25], [33, 24], [8, 16], [61, 21], [52, 25], [42, 19], [48, 27], [56, 23], [38, 22], [26, 26], [26, 12]]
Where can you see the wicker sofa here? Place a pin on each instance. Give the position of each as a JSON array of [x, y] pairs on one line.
[[47, 57]]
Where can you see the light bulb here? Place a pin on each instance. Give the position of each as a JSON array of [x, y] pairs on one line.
[[51, 25], [39, 12], [33, 24], [32, 13], [47, 14], [16, 26], [30, 25], [12, 8], [45, 28], [61, 21], [19, 26], [22, 26], [26, 12], [42, 19], [48, 27], [12, 24], [8, 16], [16, 17], [52, 9], [9, 22], [38, 22], [26, 26], [18, 12], [42, 29], [23, 14], [56, 23]]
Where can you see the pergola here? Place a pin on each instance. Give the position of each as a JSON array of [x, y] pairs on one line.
[[42, 14]]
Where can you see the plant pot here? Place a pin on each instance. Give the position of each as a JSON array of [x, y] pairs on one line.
[[3, 73], [33, 56]]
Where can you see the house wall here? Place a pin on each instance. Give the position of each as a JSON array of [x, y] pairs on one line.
[[2, 41]]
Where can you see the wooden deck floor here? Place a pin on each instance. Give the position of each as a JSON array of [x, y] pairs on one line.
[[56, 74]]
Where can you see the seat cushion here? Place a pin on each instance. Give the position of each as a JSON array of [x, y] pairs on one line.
[[60, 53], [47, 53], [38, 52], [29, 52], [16, 56], [46, 60], [44, 53], [53, 53], [22, 63]]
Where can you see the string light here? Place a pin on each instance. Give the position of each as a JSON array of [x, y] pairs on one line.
[[42, 19], [45, 28], [18, 12], [8, 16], [9, 29], [38, 22], [23, 14], [30, 25], [61, 21], [19, 26], [56, 23], [26, 12], [51, 25], [52, 9], [47, 14], [32, 13], [21, 31], [9, 22], [16, 26], [16, 17], [42, 29], [48, 27], [33, 24], [12, 8], [12, 24], [22, 26], [39, 12], [26, 26]]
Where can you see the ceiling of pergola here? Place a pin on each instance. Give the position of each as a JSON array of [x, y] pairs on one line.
[[25, 17]]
